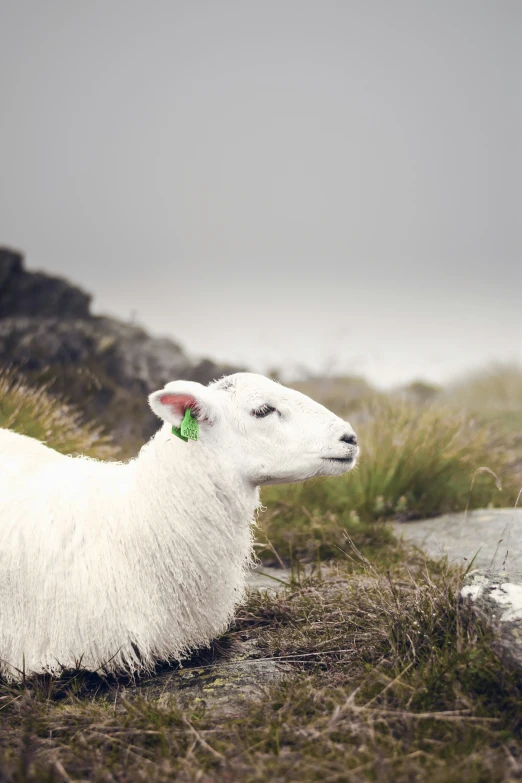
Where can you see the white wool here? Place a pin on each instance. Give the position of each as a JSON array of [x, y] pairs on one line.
[[118, 566]]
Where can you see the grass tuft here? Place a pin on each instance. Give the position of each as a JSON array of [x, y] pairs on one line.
[[34, 412]]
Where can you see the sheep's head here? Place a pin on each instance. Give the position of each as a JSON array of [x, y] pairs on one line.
[[271, 433]]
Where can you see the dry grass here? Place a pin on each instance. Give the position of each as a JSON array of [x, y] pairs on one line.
[[494, 396], [498, 387], [33, 411], [391, 680]]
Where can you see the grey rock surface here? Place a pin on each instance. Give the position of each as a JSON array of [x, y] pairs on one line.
[[124, 351], [227, 683], [493, 588], [497, 598], [35, 293], [492, 536], [268, 578]]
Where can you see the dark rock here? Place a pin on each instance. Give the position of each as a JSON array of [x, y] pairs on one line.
[[104, 366], [10, 267], [207, 370], [36, 294]]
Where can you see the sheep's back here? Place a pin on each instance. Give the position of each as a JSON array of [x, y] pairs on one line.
[[99, 560], [55, 553], [15, 446]]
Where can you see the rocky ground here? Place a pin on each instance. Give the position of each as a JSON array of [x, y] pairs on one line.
[[233, 675], [487, 539], [487, 544]]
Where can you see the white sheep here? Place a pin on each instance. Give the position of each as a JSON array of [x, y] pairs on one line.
[[118, 566]]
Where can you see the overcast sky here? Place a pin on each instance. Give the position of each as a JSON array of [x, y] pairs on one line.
[[320, 183]]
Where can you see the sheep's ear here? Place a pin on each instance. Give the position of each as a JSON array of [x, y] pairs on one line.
[[171, 402]]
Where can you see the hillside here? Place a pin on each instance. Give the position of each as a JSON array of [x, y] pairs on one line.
[[103, 365]]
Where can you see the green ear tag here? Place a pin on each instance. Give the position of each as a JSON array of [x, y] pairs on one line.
[[189, 426]]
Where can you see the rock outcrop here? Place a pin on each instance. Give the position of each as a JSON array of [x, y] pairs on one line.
[[36, 294], [490, 538], [102, 365]]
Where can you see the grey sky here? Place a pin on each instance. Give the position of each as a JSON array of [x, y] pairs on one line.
[[276, 182]]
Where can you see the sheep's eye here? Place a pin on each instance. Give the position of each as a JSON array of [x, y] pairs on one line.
[[264, 410]]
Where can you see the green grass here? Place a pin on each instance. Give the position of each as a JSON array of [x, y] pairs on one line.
[[32, 411]]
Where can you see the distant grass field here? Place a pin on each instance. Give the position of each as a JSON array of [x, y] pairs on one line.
[[391, 678]]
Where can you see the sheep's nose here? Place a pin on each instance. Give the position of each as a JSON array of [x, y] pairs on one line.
[[351, 439]]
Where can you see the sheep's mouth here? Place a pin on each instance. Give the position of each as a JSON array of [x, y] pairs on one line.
[[339, 459]]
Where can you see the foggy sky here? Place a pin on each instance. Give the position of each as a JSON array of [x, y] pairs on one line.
[[320, 183]]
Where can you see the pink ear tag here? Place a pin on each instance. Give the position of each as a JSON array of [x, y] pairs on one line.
[[189, 429]]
